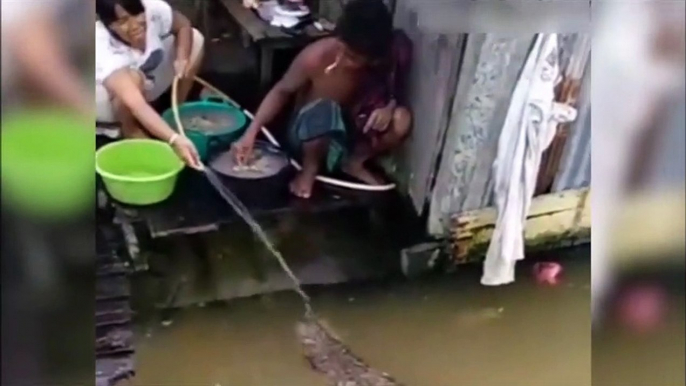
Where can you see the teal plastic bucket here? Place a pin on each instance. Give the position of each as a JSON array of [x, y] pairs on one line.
[[138, 171], [207, 143]]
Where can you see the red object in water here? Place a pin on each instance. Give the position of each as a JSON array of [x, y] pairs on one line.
[[642, 309], [548, 273]]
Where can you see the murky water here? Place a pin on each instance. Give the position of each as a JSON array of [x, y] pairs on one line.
[[208, 122], [444, 330]]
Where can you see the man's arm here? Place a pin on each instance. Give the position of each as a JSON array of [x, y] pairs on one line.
[[297, 77]]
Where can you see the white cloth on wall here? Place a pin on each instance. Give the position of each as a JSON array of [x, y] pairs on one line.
[[528, 130]]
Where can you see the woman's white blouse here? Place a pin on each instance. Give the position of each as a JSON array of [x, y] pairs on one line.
[[112, 55]]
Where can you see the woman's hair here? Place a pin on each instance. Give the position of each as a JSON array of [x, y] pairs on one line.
[[105, 9], [366, 27]]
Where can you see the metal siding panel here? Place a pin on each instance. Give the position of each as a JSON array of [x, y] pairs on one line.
[[575, 167]]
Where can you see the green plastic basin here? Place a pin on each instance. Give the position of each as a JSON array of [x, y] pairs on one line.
[[47, 163], [138, 171], [208, 143]]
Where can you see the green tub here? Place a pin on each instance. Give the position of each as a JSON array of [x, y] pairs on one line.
[[208, 143], [47, 163], [138, 171]]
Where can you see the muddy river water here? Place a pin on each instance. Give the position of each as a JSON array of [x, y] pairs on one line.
[[443, 330]]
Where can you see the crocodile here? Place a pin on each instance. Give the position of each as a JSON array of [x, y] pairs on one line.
[[327, 355]]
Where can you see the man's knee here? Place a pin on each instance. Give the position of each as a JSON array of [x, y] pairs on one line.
[[402, 121], [317, 145]]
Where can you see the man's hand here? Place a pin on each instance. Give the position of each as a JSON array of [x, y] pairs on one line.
[[379, 120], [185, 149], [243, 148], [181, 68]]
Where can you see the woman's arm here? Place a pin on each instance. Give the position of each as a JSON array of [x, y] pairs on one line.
[[122, 86], [183, 31]]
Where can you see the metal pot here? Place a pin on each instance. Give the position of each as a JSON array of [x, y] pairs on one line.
[[266, 191]]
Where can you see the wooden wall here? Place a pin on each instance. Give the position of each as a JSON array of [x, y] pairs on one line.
[[436, 62], [489, 73]]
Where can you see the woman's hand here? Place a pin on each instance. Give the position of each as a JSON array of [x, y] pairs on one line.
[[379, 120], [243, 148], [185, 149]]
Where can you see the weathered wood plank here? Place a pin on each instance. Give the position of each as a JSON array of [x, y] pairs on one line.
[[436, 60], [556, 219], [260, 30], [487, 77], [246, 18]]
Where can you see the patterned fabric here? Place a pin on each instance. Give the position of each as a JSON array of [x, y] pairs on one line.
[[387, 82], [317, 119]]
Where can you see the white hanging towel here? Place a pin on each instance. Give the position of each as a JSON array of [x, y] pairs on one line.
[[528, 130]]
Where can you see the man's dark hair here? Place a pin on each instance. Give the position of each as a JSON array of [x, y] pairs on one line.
[[104, 9], [366, 27]]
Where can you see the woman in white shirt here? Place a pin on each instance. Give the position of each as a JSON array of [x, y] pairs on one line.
[[140, 46]]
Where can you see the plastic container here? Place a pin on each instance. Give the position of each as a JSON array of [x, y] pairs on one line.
[[47, 163], [208, 142], [138, 171], [266, 192]]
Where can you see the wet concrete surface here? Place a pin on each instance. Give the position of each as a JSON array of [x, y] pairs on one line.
[[329, 247]]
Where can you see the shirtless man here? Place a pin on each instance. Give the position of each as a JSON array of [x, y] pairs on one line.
[[347, 91]]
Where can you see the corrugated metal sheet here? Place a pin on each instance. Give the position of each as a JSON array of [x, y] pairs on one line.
[[574, 54], [575, 167]]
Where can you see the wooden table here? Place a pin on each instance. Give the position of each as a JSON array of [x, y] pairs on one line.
[[266, 37]]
